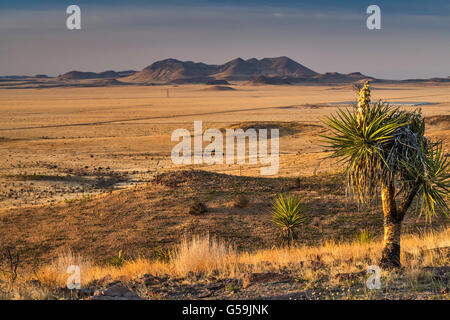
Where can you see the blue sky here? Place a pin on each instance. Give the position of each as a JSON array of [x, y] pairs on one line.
[[323, 35]]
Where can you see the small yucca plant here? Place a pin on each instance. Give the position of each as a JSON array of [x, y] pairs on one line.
[[365, 236], [288, 213], [118, 260], [164, 254]]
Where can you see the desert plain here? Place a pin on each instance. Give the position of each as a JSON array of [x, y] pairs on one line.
[[88, 170], [85, 140]]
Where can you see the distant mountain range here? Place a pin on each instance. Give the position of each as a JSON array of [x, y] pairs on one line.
[[277, 71], [280, 70], [172, 70]]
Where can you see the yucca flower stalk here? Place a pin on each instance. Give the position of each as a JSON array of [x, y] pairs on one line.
[[363, 102], [386, 153]]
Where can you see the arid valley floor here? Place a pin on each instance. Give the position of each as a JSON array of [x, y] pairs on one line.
[[89, 170]]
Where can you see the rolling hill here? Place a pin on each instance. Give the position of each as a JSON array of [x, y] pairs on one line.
[[80, 75]]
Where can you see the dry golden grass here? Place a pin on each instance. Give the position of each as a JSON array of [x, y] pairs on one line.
[[203, 257], [208, 256]]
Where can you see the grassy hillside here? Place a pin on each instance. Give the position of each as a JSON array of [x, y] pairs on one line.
[[140, 220]]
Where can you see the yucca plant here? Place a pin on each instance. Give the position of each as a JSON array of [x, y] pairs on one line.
[[118, 260], [164, 254], [288, 213], [365, 236], [386, 152]]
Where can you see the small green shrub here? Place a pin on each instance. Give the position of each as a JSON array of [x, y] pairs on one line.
[[365, 236], [118, 260], [241, 201], [197, 207], [232, 287], [164, 254], [288, 213]]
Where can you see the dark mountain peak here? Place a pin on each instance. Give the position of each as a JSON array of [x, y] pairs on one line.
[[284, 66], [238, 60], [355, 74], [252, 60], [234, 62], [333, 73], [237, 69], [170, 62], [279, 60], [172, 69]]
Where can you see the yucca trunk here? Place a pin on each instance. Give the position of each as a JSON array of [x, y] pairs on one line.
[[289, 237], [392, 229]]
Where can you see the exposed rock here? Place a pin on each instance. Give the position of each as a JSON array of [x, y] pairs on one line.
[[117, 291], [253, 278], [215, 286], [106, 280]]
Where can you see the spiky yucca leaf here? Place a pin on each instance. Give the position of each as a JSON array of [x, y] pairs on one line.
[[432, 179]]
